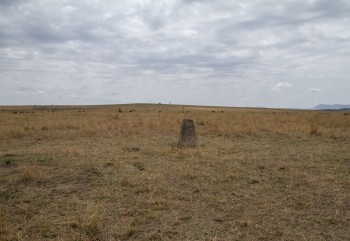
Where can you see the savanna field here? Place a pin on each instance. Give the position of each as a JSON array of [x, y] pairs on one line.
[[115, 173]]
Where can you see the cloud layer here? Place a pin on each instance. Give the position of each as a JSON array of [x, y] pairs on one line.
[[234, 53]]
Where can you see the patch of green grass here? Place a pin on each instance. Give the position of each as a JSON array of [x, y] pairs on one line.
[[129, 232], [8, 159]]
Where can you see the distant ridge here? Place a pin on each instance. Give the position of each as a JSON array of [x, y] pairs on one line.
[[331, 107]]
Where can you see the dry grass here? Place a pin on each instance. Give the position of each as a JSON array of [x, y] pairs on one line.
[[94, 173], [29, 173]]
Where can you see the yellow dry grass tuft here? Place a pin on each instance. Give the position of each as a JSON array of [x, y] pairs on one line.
[[29, 173]]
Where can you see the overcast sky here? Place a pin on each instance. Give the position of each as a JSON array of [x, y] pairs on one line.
[[271, 53]]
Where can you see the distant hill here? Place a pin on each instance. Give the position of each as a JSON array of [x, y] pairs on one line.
[[331, 107]]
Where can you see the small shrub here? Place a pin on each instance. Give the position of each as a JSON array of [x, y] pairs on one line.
[[8, 159], [44, 128], [139, 165], [131, 231]]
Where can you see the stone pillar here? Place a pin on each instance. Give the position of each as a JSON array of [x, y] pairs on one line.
[[187, 134]]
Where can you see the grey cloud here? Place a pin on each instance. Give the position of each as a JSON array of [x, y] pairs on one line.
[[8, 3], [330, 9]]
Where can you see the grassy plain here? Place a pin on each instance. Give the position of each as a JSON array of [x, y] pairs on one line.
[[94, 173]]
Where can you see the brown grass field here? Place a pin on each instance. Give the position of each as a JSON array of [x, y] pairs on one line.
[[93, 173]]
